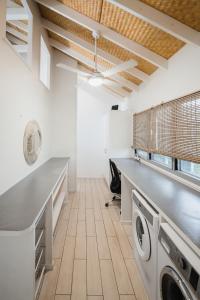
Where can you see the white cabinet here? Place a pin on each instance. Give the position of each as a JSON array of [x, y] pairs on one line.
[[118, 137], [26, 232]]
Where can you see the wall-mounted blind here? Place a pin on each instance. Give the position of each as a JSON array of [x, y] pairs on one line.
[[141, 130], [171, 129]]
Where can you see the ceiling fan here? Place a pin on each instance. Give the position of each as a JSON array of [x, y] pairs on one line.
[[97, 78]]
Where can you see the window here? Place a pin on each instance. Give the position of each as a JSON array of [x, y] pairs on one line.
[[45, 63], [162, 159], [142, 154], [189, 168], [19, 28]]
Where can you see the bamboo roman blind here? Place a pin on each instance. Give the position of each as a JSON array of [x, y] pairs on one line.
[[171, 129]]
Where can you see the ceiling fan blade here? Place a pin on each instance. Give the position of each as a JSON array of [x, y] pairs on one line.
[[119, 68], [72, 69]]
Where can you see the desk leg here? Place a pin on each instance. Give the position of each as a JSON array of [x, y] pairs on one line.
[[126, 200]]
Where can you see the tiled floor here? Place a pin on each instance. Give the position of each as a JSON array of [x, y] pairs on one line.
[[93, 255]]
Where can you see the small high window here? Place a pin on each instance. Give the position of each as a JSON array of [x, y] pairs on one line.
[[19, 28], [162, 159], [190, 168], [142, 154], [45, 63]]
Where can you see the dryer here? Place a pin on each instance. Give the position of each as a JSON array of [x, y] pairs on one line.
[[145, 232], [178, 267]]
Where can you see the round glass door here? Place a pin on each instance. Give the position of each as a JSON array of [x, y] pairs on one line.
[[141, 236], [172, 286]]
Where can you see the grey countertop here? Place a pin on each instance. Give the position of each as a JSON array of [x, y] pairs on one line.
[[178, 202], [20, 205]]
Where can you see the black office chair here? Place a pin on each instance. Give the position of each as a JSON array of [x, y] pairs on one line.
[[115, 185]]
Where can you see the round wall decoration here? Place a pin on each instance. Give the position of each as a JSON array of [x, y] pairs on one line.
[[32, 142]]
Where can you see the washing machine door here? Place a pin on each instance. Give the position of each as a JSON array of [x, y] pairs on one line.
[[172, 287], [142, 236]]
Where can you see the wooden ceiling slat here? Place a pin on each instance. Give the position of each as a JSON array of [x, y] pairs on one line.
[[185, 11], [139, 31], [103, 43]]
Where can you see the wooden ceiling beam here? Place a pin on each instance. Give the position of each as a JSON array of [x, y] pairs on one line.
[[90, 63], [90, 48], [160, 20], [106, 32]]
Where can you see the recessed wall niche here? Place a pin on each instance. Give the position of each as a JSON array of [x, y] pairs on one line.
[[19, 28], [32, 142]]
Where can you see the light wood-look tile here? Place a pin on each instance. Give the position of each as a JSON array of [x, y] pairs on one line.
[[72, 225], [81, 228], [104, 251], [126, 248], [121, 274], [94, 286], [95, 298], [59, 240], [64, 285], [137, 283], [110, 231], [49, 284], [80, 250], [127, 297], [79, 281], [62, 297], [90, 225], [110, 290], [128, 229]]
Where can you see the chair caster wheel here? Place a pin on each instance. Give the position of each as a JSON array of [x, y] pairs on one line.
[[106, 204], [114, 198]]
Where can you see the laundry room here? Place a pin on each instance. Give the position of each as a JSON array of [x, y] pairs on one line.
[[100, 150]]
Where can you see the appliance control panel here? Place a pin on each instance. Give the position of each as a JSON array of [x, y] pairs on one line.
[[181, 262]]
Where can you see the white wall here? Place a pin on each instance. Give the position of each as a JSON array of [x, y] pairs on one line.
[[22, 98], [181, 78], [93, 104], [64, 114]]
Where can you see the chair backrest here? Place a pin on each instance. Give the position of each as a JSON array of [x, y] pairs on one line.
[[114, 171], [115, 185]]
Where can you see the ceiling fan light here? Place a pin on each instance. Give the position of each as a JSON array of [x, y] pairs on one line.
[[95, 81]]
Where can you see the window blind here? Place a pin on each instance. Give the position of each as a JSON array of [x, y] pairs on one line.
[[171, 128]]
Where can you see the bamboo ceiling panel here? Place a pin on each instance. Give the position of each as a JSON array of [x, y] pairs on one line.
[[185, 11], [139, 31], [103, 44], [89, 8]]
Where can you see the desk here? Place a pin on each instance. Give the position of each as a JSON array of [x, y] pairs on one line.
[[176, 203]]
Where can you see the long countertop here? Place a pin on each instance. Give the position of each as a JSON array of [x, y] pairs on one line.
[[178, 202], [20, 205]]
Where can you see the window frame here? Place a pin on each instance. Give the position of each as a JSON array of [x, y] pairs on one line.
[[29, 59]]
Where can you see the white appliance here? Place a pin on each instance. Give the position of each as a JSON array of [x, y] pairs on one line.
[[178, 267], [145, 231]]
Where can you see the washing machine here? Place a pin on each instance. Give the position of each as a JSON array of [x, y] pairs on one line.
[[178, 267], [145, 232]]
